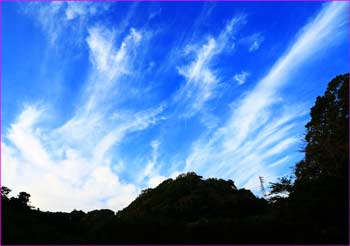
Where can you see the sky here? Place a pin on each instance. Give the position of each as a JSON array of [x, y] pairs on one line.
[[103, 100]]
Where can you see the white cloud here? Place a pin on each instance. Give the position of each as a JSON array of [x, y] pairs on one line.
[[155, 181], [110, 65], [241, 77], [201, 80], [149, 169], [106, 59], [256, 43], [154, 14], [279, 162], [23, 135], [56, 17], [84, 9], [238, 149], [75, 179], [253, 41], [70, 166]]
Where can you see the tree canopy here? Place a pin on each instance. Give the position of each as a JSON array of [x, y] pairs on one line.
[[327, 136]]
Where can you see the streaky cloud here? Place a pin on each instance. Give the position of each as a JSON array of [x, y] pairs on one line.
[[74, 159], [201, 80], [223, 153]]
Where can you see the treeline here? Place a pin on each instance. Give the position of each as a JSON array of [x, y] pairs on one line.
[[309, 206]]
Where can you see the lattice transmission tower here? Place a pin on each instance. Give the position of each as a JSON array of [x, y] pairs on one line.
[[262, 185]]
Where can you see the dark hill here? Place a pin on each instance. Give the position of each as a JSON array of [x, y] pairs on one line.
[[190, 198], [189, 209]]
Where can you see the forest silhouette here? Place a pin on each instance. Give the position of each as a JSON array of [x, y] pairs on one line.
[[309, 206]]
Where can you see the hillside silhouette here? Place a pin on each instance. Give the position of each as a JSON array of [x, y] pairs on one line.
[[309, 206], [189, 198]]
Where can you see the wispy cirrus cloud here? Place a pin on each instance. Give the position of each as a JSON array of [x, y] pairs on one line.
[[241, 77], [151, 171], [75, 10], [68, 173], [55, 17], [256, 41], [251, 139], [201, 80], [77, 173], [253, 41]]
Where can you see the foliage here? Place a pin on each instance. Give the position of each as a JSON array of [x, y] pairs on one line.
[[327, 134], [284, 185], [5, 192], [189, 198], [280, 189]]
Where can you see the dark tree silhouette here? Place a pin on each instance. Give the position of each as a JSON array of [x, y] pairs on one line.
[[319, 196], [284, 185], [327, 134], [23, 198], [5, 192]]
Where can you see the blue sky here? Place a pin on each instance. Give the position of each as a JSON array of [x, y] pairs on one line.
[[102, 100]]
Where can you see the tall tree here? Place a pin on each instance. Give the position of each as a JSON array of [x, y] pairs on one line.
[[320, 192], [327, 138]]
